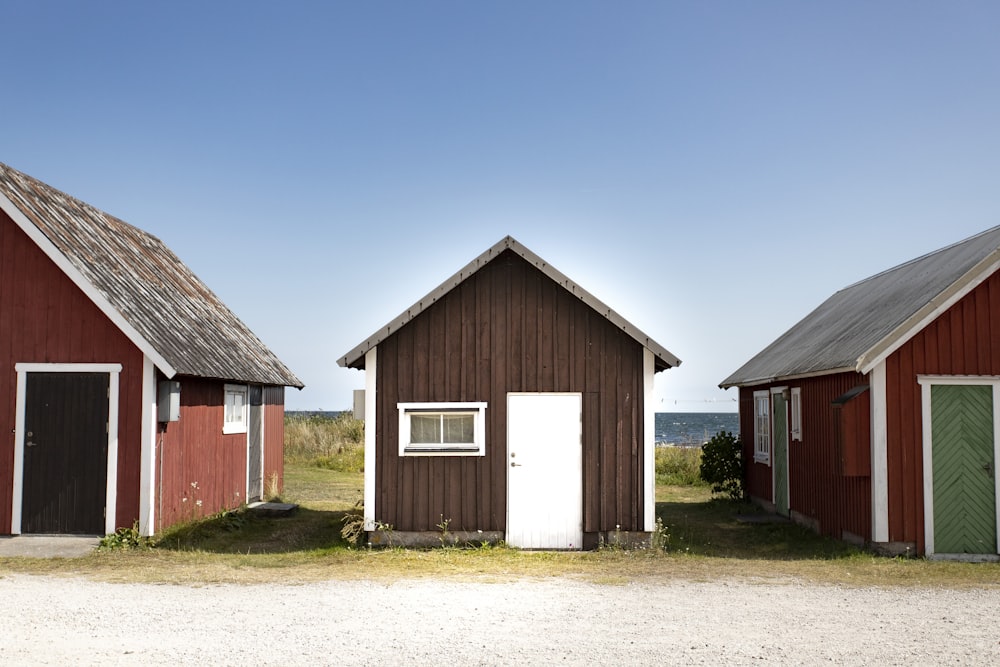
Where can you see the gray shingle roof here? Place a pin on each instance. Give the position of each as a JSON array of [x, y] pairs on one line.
[[861, 324], [142, 286], [356, 357]]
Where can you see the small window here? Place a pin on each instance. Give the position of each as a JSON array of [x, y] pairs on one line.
[[235, 406], [442, 429], [796, 410], [762, 426]]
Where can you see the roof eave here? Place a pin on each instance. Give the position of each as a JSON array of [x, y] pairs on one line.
[[947, 298], [355, 358], [88, 288], [753, 382]]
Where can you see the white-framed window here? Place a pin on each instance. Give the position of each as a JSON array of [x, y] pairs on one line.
[[762, 426], [796, 413], [442, 429], [235, 409]]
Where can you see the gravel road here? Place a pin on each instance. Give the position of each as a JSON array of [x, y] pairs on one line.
[[56, 621]]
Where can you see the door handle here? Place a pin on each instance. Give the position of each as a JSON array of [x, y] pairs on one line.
[[515, 465], [988, 467]]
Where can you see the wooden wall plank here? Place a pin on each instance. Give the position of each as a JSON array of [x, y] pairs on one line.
[[518, 331]]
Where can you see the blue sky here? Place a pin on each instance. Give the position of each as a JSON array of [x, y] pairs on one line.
[[711, 170]]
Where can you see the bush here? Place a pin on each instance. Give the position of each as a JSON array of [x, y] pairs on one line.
[[722, 464]]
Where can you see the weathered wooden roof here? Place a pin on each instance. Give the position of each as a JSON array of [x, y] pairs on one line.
[[861, 325], [356, 357], [163, 308]]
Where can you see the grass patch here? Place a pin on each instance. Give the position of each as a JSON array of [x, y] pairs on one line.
[[335, 443], [677, 466]]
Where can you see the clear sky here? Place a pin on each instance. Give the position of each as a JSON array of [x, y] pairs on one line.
[[710, 170]]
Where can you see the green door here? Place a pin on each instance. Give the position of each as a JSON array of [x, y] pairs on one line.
[[780, 453], [963, 468]]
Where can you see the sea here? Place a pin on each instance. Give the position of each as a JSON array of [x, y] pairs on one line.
[[682, 429], [693, 429]]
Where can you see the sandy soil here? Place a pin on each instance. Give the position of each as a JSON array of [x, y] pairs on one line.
[[53, 620]]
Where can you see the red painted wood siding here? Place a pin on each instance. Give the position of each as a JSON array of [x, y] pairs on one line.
[[274, 438], [45, 318], [201, 469], [509, 328], [818, 489], [965, 340]]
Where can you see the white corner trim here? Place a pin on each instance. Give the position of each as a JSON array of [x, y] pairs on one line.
[[371, 374], [92, 293], [938, 305], [147, 471], [648, 441], [111, 487], [927, 462], [880, 455]]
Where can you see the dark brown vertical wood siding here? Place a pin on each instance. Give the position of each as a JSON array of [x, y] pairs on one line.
[[964, 340], [817, 487], [509, 328], [45, 318]]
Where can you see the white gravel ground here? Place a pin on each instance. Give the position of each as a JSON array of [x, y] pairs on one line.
[[57, 621]]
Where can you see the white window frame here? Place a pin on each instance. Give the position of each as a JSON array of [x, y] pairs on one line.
[[795, 412], [762, 427], [240, 425], [475, 448]]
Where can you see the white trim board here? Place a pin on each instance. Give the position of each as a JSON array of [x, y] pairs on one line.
[[88, 288], [926, 382], [111, 491]]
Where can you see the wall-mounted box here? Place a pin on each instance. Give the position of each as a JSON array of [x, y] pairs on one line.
[[168, 401]]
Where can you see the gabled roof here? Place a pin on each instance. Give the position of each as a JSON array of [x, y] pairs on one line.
[[861, 325], [356, 357], [137, 282]]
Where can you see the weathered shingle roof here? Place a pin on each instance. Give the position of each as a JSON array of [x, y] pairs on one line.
[[141, 286], [860, 325], [356, 357]]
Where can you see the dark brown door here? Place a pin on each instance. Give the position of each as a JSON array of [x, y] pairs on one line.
[[65, 453]]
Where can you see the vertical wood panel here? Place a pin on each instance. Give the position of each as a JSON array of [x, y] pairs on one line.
[[518, 331], [45, 318]]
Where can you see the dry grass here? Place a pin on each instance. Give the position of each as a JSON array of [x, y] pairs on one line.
[[336, 443]]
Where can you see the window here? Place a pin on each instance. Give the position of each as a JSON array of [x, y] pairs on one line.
[[796, 410], [235, 406], [762, 426], [442, 429]]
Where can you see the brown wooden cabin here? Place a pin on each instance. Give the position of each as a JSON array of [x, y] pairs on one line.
[[875, 418], [511, 404], [132, 393]]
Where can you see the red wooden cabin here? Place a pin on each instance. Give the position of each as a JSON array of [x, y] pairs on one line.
[[509, 403], [131, 392], [876, 418]]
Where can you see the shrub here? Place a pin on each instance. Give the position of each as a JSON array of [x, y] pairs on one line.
[[722, 464]]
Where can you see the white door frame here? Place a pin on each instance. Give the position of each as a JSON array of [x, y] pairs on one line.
[[574, 500], [926, 382], [111, 492]]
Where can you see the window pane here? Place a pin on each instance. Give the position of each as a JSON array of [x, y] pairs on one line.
[[425, 429], [459, 428]]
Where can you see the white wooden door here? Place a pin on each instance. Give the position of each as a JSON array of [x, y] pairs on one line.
[[544, 471]]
